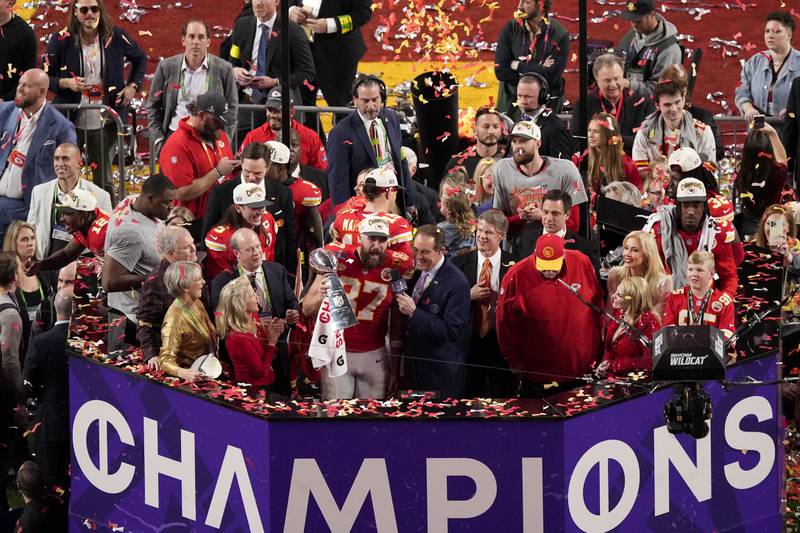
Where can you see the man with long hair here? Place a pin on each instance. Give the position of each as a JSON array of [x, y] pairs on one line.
[[86, 62]]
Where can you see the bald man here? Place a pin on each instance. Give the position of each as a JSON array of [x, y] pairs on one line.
[[51, 235], [30, 130]]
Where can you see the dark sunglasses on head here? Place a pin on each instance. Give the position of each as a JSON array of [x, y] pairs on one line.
[[86, 9]]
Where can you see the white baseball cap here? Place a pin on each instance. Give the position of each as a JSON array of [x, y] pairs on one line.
[[78, 200], [250, 195], [384, 177], [374, 226], [527, 129], [686, 158], [280, 152], [691, 190]]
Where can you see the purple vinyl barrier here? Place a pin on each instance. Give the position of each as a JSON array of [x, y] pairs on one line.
[[149, 457]]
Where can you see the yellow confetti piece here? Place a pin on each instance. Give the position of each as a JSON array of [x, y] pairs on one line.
[[574, 57], [551, 385], [145, 32]]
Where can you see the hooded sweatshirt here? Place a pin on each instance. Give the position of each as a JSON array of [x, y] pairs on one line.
[[647, 56]]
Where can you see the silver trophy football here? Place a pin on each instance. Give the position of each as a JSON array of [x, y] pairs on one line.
[[324, 263]]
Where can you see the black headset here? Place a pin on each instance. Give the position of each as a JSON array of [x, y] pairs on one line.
[[361, 79], [544, 87]]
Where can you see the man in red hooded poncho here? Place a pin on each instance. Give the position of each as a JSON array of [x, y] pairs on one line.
[[547, 335]]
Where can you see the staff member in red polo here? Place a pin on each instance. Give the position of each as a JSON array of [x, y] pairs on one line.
[[198, 154]]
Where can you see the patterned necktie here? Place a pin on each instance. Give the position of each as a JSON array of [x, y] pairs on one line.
[[375, 140], [262, 296], [261, 59], [420, 287], [482, 321]]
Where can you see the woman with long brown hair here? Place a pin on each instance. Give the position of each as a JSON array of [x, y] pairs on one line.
[[605, 160]]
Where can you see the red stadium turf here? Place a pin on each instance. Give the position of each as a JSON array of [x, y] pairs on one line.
[[158, 31]]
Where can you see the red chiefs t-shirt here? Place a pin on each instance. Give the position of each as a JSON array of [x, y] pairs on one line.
[[369, 293], [312, 151], [95, 239], [719, 310], [220, 254], [185, 157]]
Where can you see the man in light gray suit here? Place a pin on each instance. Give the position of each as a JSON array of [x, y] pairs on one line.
[[51, 235], [181, 78]]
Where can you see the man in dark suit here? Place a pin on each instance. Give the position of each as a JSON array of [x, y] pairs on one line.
[[275, 295], [255, 165], [485, 269], [555, 212], [368, 138], [255, 54], [338, 44], [46, 372], [438, 311]]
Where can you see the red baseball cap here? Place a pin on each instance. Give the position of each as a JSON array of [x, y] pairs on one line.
[[549, 252]]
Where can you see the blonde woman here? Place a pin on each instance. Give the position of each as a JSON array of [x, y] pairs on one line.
[[624, 351], [251, 346], [640, 258], [186, 332], [32, 291], [484, 185]]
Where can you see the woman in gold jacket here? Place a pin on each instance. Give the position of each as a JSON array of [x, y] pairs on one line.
[[187, 332]]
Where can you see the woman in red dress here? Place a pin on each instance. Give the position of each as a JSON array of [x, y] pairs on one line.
[[624, 351]]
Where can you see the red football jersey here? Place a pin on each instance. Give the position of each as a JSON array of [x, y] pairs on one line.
[[345, 227], [370, 295], [719, 311], [95, 239], [305, 194], [221, 256]]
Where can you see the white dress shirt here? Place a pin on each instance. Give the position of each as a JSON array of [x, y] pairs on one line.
[[11, 181], [494, 282], [193, 83]]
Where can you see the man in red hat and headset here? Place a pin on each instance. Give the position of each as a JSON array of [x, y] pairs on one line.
[[539, 296]]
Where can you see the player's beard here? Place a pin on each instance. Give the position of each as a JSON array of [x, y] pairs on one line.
[[372, 260], [522, 158]]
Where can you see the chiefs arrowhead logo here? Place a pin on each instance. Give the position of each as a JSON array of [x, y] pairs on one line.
[[548, 252]]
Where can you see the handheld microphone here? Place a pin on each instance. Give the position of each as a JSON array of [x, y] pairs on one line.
[[399, 285]]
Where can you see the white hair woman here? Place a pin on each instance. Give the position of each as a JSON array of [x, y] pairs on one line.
[[187, 332]]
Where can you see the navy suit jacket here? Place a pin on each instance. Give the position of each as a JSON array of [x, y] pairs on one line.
[[52, 129], [64, 61], [350, 152], [440, 329]]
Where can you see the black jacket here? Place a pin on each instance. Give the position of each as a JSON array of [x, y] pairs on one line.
[[220, 199], [633, 111], [301, 66], [47, 371], [18, 50], [791, 127], [345, 46], [556, 139], [64, 60]]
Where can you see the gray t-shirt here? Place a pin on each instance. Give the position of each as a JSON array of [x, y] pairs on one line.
[[131, 242], [513, 189], [10, 334]]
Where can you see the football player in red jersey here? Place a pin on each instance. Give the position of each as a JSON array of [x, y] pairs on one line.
[[700, 303], [88, 226], [380, 190], [365, 271], [247, 211]]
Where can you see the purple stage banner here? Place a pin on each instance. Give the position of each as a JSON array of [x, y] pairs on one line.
[[150, 458]]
